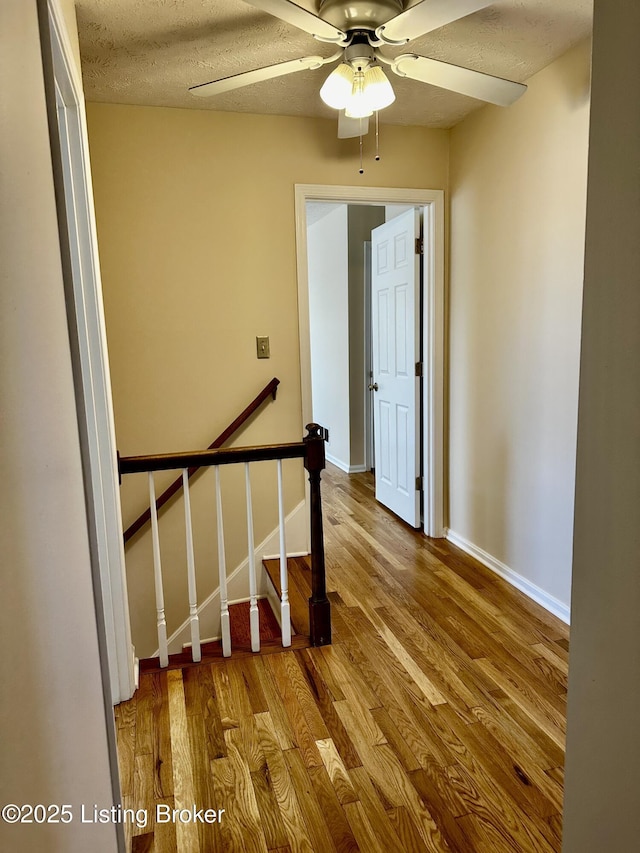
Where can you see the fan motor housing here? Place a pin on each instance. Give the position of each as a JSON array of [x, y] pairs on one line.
[[359, 55], [359, 14]]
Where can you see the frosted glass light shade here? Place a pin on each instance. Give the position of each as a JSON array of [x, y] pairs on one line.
[[358, 105], [359, 93], [378, 89], [336, 89]]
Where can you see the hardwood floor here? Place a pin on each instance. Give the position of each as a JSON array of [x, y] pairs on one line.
[[434, 722]]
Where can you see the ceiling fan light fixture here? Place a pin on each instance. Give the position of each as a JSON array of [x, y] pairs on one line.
[[336, 89], [378, 89]]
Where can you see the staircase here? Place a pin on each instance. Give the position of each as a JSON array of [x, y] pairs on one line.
[[300, 603], [299, 571]]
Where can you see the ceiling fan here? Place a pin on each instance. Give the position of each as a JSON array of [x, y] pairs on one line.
[[358, 86]]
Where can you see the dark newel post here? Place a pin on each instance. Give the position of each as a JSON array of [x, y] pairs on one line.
[[319, 607]]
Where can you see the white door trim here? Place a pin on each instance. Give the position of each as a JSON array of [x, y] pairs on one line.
[[103, 490], [433, 320]]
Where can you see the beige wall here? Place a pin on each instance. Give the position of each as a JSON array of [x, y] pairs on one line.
[[518, 195], [195, 214], [603, 740], [52, 713]]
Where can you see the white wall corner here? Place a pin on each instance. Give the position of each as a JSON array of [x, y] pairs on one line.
[[297, 539], [536, 593]]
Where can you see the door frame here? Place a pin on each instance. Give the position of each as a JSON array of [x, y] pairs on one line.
[[87, 334], [433, 321]]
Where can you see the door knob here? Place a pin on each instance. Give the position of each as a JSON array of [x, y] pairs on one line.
[[373, 387]]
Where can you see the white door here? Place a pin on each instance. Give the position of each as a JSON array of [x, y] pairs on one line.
[[395, 314]]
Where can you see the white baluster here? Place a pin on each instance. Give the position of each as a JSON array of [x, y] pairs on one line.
[[254, 614], [157, 576], [225, 628], [196, 654], [285, 615]]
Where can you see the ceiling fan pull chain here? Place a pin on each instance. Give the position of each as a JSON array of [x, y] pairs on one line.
[[377, 157], [361, 170]]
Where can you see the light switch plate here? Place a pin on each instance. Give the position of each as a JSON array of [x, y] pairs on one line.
[[262, 345]]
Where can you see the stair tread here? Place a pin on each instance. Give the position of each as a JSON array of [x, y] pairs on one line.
[[299, 569], [270, 640]]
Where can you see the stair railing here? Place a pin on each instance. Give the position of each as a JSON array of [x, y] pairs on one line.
[[311, 451], [144, 518]]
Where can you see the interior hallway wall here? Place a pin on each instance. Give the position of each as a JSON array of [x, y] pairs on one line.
[[327, 252], [337, 320], [363, 218], [518, 198], [603, 738]]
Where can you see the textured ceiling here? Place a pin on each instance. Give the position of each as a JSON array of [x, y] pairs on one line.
[[150, 51]]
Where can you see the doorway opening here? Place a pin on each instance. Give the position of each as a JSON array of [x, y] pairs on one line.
[[428, 437]]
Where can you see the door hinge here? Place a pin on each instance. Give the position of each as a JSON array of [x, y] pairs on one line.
[[418, 368], [419, 246], [418, 484]]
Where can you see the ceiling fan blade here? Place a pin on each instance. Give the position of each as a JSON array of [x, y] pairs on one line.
[[475, 84], [300, 18], [425, 17], [350, 127], [237, 81]]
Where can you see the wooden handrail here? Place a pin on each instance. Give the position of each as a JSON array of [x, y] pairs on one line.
[[268, 391], [311, 450], [206, 458]]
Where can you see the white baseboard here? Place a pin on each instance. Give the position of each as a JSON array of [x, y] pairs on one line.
[[549, 602], [296, 533], [136, 671], [290, 553], [343, 466], [337, 462]]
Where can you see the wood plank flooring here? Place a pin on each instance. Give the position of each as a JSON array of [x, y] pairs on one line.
[[435, 722]]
